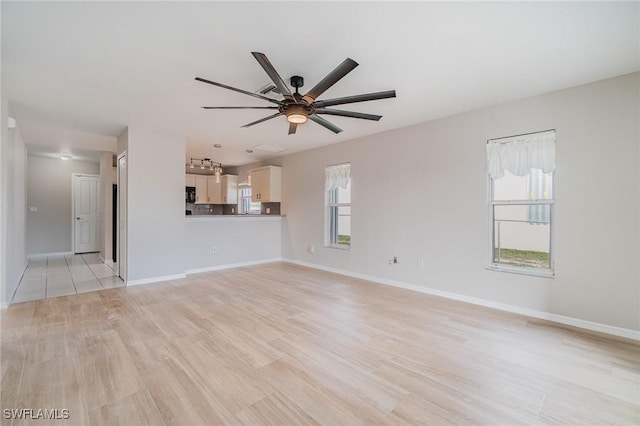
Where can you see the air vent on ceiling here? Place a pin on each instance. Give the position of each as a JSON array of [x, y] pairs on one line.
[[270, 148], [268, 89]]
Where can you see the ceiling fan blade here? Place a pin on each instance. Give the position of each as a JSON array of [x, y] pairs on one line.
[[263, 119], [273, 74], [348, 114], [324, 123], [355, 98], [224, 86], [239, 107], [292, 128], [332, 78]]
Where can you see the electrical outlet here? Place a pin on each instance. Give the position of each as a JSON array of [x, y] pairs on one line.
[[215, 250], [312, 249], [420, 263], [394, 260]]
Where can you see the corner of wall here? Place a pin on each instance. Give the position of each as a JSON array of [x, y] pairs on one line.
[[4, 115]]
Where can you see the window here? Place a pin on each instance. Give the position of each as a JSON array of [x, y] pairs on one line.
[[521, 201], [539, 187], [338, 206], [245, 206]]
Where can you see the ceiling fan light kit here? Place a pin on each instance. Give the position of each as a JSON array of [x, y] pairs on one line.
[[299, 108]]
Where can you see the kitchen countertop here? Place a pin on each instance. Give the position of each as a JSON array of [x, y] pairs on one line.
[[225, 217]]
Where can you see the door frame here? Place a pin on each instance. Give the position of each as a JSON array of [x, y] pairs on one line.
[[121, 269], [73, 207]]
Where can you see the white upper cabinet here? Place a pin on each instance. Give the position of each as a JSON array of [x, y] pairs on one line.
[[201, 190], [214, 191], [229, 189], [210, 192], [266, 184]]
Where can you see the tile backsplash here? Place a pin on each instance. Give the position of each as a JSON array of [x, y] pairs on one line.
[[273, 208], [229, 209], [205, 209]]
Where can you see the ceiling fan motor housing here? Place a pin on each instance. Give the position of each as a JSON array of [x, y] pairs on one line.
[[301, 109], [297, 81]]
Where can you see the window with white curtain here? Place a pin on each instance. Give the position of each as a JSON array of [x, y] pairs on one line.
[[338, 206], [521, 175]]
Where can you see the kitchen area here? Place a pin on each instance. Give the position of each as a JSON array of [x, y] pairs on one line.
[[229, 222], [219, 194]]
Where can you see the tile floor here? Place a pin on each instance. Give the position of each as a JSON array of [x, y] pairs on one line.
[[63, 275]]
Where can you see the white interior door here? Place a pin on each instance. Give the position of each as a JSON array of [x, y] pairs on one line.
[[86, 214], [122, 217]]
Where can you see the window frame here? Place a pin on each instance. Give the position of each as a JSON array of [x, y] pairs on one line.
[[332, 215], [241, 202], [500, 267]]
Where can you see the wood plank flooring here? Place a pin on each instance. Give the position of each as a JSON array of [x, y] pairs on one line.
[[280, 344]]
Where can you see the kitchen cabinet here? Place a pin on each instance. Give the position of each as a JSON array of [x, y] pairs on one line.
[[229, 189], [210, 192], [266, 183], [214, 191], [201, 190]]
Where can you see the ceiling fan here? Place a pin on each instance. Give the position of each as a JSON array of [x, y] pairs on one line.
[[298, 108]]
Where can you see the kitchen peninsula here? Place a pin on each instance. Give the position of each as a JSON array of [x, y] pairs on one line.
[[232, 223], [218, 241]]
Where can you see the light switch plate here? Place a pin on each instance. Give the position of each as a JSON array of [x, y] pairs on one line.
[[33, 209]]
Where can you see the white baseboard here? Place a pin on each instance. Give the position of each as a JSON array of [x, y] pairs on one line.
[[574, 322], [37, 256], [3, 305], [154, 280], [233, 265], [205, 269]]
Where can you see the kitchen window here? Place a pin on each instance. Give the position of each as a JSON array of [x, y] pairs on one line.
[[245, 206], [338, 206], [521, 178]]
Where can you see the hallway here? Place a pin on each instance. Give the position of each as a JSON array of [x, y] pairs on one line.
[[64, 275]]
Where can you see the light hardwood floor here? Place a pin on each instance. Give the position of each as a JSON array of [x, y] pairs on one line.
[[282, 344]]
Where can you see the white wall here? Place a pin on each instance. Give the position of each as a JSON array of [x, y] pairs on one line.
[[155, 203], [4, 285], [49, 189], [236, 239], [12, 184], [421, 193], [17, 250]]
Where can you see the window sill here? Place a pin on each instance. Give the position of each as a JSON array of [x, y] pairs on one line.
[[339, 247], [542, 273]]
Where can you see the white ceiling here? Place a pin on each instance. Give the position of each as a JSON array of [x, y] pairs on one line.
[[94, 68]]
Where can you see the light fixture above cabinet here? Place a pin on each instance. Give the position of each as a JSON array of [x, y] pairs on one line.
[[207, 163]]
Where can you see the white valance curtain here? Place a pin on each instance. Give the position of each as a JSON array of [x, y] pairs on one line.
[[337, 176], [518, 154]]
